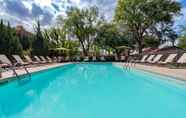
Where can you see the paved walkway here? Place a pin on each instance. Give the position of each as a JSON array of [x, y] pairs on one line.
[[9, 74], [176, 73]]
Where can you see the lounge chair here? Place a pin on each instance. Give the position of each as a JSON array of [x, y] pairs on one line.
[[43, 59], [102, 58], [19, 60], [156, 59], [150, 58], [9, 65], [67, 59], [5, 62], [169, 59], [78, 58], [39, 60], [86, 59], [143, 58], [48, 58], [182, 59], [94, 58], [29, 60], [14, 66], [123, 58], [54, 59]]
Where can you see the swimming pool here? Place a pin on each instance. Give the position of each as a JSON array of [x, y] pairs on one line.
[[93, 91]]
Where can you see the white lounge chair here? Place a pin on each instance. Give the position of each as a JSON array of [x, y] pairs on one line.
[[5, 61], [54, 58], [48, 58], [19, 60], [182, 59], [86, 58], [102, 58], [8, 64], [43, 59], [143, 58], [157, 58], [123, 58], [94, 58], [29, 60], [66, 58], [78, 58], [169, 59], [39, 60], [150, 58]]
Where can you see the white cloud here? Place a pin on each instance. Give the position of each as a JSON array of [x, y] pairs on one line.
[[76, 1], [49, 9], [44, 2]]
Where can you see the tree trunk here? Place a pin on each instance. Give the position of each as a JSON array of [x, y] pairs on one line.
[[140, 48], [117, 53], [85, 53], [83, 47]]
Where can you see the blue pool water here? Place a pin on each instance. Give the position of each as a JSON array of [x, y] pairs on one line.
[[93, 91]]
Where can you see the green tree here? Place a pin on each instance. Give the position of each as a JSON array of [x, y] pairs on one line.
[[39, 45], [3, 43], [141, 17], [55, 37], [9, 42], [109, 37], [182, 42], [150, 41], [26, 41], [182, 39], [81, 24]]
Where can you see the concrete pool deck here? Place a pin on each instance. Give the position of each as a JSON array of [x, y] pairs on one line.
[[179, 74], [9, 73]]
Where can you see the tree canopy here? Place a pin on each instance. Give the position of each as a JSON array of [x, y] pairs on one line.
[[182, 39], [81, 24], [39, 44], [9, 42], [146, 17], [109, 37]]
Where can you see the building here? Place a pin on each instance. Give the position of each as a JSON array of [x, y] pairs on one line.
[[20, 30]]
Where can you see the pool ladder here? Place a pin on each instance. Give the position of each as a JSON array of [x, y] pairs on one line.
[[18, 76]]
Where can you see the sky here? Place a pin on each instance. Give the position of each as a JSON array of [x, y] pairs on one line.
[[26, 12]]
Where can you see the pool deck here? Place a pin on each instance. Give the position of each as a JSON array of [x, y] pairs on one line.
[[8, 74], [179, 74]]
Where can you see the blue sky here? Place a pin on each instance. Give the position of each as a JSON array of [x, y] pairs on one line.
[[26, 12]]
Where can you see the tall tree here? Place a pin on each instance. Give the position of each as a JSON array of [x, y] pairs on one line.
[[141, 16], [55, 37], [39, 45], [81, 23], [26, 41], [9, 42], [3, 43], [14, 44], [108, 37], [182, 38]]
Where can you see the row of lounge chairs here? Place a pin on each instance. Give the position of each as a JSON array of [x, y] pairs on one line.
[[18, 61], [157, 59]]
